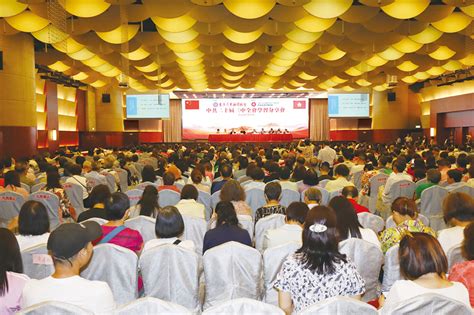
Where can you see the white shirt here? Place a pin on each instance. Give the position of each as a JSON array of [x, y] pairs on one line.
[[284, 234], [403, 290], [162, 241], [357, 168], [94, 296], [81, 181], [470, 182], [327, 154], [370, 236], [192, 208], [392, 179], [337, 184], [27, 241], [451, 237], [454, 186], [253, 184], [286, 184]]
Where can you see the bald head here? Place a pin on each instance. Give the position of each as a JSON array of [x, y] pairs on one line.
[[350, 192]]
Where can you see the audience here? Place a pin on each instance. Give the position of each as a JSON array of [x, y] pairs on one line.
[[225, 172], [77, 178], [196, 180], [12, 183], [272, 193], [148, 174], [312, 197], [325, 169], [310, 180], [341, 172], [148, 204], [257, 175], [396, 176], [100, 194], [33, 225], [285, 182], [188, 205], [433, 177], [352, 195], [66, 211], [233, 192], [168, 182], [454, 180]]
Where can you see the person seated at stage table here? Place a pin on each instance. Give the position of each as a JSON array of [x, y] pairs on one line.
[[271, 131], [278, 131], [218, 131], [254, 131], [262, 131], [286, 131], [232, 131]]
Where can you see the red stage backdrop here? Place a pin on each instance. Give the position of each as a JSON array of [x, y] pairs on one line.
[[205, 116]]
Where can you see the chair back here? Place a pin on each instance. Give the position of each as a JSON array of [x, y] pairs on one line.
[[139, 167], [464, 189], [272, 221], [171, 273], [403, 188], [340, 305], [255, 198], [37, 187], [205, 199], [323, 183], [168, 197], [93, 181], [391, 268], [10, 205], [194, 230], [247, 223], [243, 306], [375, 182], [98, 220], [454, 255], [143, 224], [179, 185], [51, 202], [232, 270], [51, 307], [117, 266], [75, 193], [371, 221], [123, 179], [368, 259], [390, 223], [37, 264], [110, 179], [134, 196], [25, 187], [430, 206], [288, 196], [273, 259], [149, 305], [428, 303], [334, 193], [143, 185], [215, 198], [357, 179]]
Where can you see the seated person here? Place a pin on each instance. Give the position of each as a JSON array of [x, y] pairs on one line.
[[286, 131], [341, 172], [396, 176], [433, 177], [458, 210], [114, 231], [278, 131], [271, 131], [405, 215], [218, 131], [257, 175], [312, 197], [310, 180], [12, 183], [262, 131], [71, 249], [227, 228], [233, 192], [225, 171], [77, 178], [325, 169], [352, 194], [148, 174], [285, 182], [424, 265], [147, 205], [232, 131], [33, 225], [188, 205], [454, 180], [272, 193], [98, 197], [169, 228], [168, 183], [292, 229]]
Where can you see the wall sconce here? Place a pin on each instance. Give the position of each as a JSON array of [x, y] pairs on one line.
[[53, 135], [432, 132]]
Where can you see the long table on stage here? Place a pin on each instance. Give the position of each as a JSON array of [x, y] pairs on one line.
[[250, 138]]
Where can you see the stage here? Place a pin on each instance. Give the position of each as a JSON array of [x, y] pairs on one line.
[[250, 138]]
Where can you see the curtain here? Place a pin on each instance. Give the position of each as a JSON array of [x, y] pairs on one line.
[[318, 120], [172, 127]]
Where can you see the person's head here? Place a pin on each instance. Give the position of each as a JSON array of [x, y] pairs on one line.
[[404, 209], [420, 254], [299, 173], [320, 249], [70, 244], [272, 191], [33, 219], [454, 176], [168, 179], [10, 259], [443, 164], [226, 214], [225, 170], [95, 166], [296, 213], [347, 220], [21, 167], [75, 169], [468, 243], [458, 208], [116, 207], [148, 174], [399, 165], [196, 176], [169, 223], [350, 192], [99, 195], [149, 201], [257, 174], [53, 178], [312, 196], [189, 192], [87, 166], [285, 173], [341, 170], [324, 168], [232, 191], [243, 162], [311, 178], [433, 176], [12, 178]]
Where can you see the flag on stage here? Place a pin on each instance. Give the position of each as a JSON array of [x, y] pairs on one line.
[[191, 104], [300, 104]]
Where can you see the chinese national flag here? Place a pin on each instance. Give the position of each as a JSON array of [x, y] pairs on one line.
[[299, 104], [191, 104]]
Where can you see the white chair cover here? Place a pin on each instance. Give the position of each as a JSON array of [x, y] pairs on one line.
[[269, 222], [430, 206], [247, 223], [334, 193], [139, 166], [26, 187], [232, 270], [428, 304], [356, 179], [37, 264], [179, 185], [51, 202], [244, 306], [205, 199], [168, 198], [454, 255], [98, 220], [340, 305], [288, 196], [143, 185], [110, 179], [37, 187], [134, 195], [50, 307], [273, 259], [117, 266], [255, 198], [143, 224], [171, 273], [368, 259], [194, 230], [123, 179], [10, 205], [375, 182], [323, 183], [151, 306], [403, 188], [93, 181], [465, 189], [75, 193], [371, 221], [215, 198], [390, 223], [391, 268]]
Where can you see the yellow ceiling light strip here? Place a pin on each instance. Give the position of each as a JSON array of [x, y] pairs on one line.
[[120, 35], [453, 23], [421, 75], [149, 68], [409, 79], [315, 24], [307, 77], [376, 61], [50, 35], [238, 56], [242, 37], [303, 37], [82, 54], [59, 66], [27, 22], [406, 45], [435, 71], [112, 72], [233, 68], [94, 61], [327, 8], [469, 10], [176, 25], [391, 54], [468, 60], [68, 46], [407, 66], [184, 47], [161, 76], [427, 36], [353, 72], [363, 82], [405, 9], [85, 8], [452, 65], [179, 37], [442, 53], [249, 9], [138, 54], [334, 54], [103, 68], [80, 76], [11, 7], [98, 84]]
